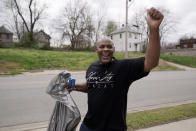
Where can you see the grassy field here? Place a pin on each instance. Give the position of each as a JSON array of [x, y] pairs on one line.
[[39, 59], [15, 61], [160, 116], [183, 60]]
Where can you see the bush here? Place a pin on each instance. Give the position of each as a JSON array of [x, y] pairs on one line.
[[27, 42], [46, 47], [67, 47], [89, 48], [17, 44], [1, 45]]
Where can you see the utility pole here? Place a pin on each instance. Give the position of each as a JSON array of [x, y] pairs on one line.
[[126, 30]]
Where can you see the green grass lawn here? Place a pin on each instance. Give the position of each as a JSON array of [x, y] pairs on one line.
[[160, 116], [15, 61], [183, 60], [39, 59]]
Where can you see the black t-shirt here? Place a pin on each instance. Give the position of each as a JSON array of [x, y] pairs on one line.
[[108, 85]]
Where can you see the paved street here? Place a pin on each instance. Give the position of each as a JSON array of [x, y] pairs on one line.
[[23, 98]]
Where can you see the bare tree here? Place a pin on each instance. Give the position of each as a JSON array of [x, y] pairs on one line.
[[14, 22], [110, 27], [24, 16], [77, 24], [90, 31], [9, 17], [188, 36], [140, 22], [99, 23], [34, 16], [99, 28], [167, 26]]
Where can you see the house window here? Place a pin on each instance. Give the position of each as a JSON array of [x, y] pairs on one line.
[[7, 36], [135, 36], [135, 47], [129, 35], [120, 36], [130, 45], [111, 37], [194, 45]]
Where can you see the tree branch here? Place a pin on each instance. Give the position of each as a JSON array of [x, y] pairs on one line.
[[21, 16]]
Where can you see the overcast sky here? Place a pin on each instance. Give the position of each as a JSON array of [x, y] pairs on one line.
[[184, 11]]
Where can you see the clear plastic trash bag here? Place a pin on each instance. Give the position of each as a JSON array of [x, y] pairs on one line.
[[66, 115]]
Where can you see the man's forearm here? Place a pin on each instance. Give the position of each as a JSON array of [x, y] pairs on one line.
[[154, 19], [153, 50], [82, 87]]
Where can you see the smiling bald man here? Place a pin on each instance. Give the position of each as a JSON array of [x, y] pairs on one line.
[[108, 80]]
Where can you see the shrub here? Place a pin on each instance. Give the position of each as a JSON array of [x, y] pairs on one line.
[[17, 44], [89, 48], [1, 45], [46, 47], [67, 47], [27, 42]]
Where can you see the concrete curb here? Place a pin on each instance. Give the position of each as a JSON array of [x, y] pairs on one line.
[[42, 126], [50, 72]]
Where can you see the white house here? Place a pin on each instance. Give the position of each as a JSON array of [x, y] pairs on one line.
[[134, 40]]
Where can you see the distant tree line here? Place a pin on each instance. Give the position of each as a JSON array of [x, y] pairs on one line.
[[77, 22]]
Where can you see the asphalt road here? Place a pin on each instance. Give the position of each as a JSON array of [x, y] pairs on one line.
[[23, 98]]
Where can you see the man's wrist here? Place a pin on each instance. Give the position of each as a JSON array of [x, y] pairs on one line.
[[153, 29]]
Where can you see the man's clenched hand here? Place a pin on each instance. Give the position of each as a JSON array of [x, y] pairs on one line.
[[154, 18]]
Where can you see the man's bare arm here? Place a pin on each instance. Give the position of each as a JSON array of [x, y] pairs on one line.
[[154, 19], [82, 87]]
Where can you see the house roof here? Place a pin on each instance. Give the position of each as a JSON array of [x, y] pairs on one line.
[[5, 30], [188, 41], [122, 30], [42, 32]]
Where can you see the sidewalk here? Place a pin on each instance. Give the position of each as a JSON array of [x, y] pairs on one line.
[[183, 125]]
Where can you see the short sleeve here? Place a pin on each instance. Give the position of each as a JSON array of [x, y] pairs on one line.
[[136, 68]]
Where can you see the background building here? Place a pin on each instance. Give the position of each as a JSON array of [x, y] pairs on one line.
[[134, 40], [42, 38], [188, 43], [6, 37]]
